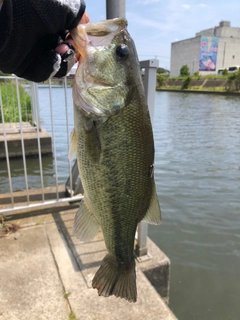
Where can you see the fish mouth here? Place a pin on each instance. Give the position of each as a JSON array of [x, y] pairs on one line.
[[88, 39], [96, 34]]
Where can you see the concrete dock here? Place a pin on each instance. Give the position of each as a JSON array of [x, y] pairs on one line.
[[46, 274], [30, 138]]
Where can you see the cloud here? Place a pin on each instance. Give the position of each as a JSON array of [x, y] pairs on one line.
[[186, 6], [138, 21], [202, 5], [147, 1]]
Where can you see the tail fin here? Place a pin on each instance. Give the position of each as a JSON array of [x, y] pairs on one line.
[[112, 280]]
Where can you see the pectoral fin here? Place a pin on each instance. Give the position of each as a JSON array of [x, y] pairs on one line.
[[153, 215], [85, 225]]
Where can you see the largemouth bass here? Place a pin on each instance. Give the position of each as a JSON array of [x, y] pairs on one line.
[[115, 151]]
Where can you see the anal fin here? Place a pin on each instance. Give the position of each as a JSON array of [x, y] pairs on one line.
[[85, 225], [153, 215]]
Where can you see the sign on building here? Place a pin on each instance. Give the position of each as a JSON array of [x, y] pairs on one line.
[[208, 53]]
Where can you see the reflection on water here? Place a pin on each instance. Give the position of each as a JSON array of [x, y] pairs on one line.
[[197, 141], [33, 171], [197, 172]]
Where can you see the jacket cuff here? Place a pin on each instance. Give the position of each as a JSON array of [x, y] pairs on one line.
[[79, 15]]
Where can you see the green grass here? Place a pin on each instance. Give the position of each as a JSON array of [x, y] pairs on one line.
[[203, 77], [169, 88], [217, 89], [10, 103], [210, 89], [230, 82]]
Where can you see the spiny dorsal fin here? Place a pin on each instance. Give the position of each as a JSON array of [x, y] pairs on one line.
[[153, 215]]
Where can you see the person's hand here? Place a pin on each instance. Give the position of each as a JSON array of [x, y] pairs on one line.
[[62, 49], [32, 37]]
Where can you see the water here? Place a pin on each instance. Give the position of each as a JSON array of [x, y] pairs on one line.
[[197, 172], [197, 141]]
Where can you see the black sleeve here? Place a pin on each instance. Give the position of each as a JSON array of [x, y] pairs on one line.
[[30, 30]]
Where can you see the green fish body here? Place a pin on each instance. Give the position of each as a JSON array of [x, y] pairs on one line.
[[115, 152]]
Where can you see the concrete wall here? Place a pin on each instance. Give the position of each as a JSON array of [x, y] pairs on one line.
[[208, 33], [185, 52], [227, 32], [30, 138], [228, 52], [205, 83]]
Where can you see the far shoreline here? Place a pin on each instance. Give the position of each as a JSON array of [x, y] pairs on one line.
[[227, 93]]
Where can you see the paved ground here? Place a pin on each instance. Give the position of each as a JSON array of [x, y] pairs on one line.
[[46, 274]]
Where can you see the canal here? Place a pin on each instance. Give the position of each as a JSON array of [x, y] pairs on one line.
[[197, 172], [197, 141]]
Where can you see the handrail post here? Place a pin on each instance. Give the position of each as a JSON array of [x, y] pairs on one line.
[[35, 106], [150, 67], [149, 82], [115, 9]]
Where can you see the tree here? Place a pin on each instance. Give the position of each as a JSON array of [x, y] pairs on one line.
[[162, 70], [234, 80], [225, 72], [186, 83], [184, 71], [161, 80]]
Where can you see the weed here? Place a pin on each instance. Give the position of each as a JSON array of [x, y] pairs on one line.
[[10, 103], [8, 228], [72, 316], [66, 294]]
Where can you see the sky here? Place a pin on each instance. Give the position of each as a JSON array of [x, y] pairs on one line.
[[155, 24]]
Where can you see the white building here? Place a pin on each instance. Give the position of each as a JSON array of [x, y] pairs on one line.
[[210, 50]]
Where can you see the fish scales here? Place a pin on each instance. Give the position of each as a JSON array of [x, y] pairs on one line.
[[115, 153], [122, 170]]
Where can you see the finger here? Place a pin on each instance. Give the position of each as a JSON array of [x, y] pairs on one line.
[[62, 48]]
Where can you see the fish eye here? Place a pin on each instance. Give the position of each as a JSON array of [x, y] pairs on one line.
[[122, 51]]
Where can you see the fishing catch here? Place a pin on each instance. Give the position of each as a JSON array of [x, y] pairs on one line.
[[113, 140]]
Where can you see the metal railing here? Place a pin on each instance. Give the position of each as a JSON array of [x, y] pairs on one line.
[[23, 142], [14, 95]]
